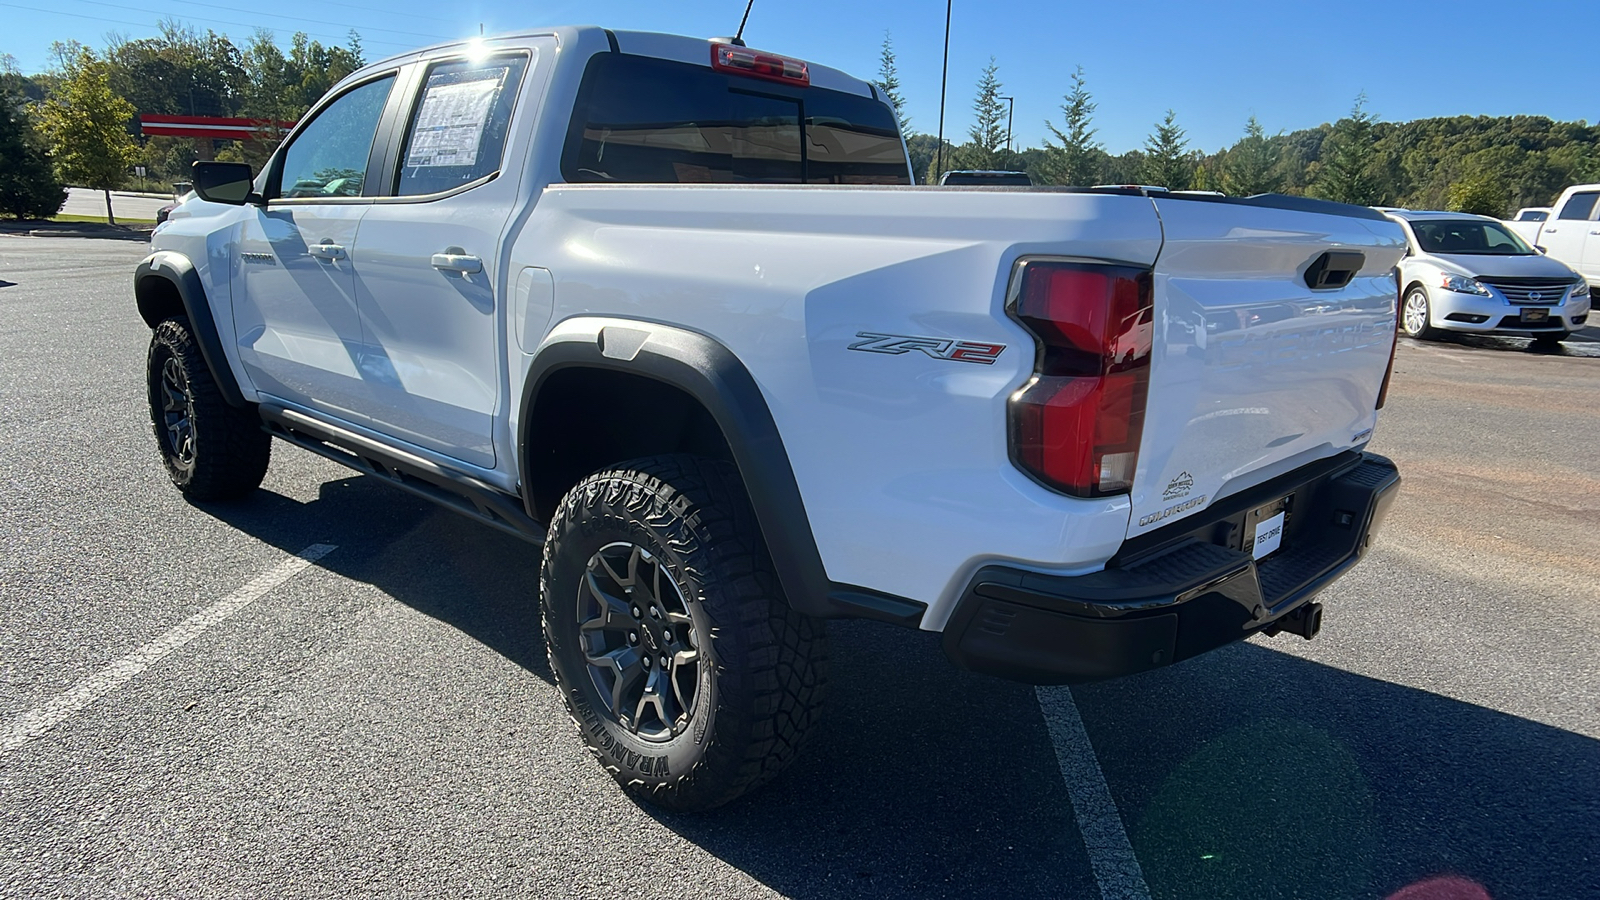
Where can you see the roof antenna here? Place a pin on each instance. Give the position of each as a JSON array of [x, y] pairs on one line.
[[738, 39]]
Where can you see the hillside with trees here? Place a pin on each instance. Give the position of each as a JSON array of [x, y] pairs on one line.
[[1486, 164]]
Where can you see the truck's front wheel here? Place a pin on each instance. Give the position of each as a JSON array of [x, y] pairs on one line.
[[682, 665], [212, 451]]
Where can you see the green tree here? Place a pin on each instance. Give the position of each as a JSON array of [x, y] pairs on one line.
[[985, 148], [1073, 160], [1480, 195], [28, 186], [889, 83], [87, 126], [279, 87], [1250, 166], [1166, 156], [1348, 160]]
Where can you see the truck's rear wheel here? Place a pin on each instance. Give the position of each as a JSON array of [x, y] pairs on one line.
[[682, 665], [212, 451]]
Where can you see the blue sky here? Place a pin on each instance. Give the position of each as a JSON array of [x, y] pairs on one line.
[[1294, 65]]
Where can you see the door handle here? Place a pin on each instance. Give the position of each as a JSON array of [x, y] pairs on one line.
[[1549, 231], [326, 250], [455, 259]]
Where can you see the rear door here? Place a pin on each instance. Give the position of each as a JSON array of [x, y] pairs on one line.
[[429, 285], [1255, 373], [294, 289]]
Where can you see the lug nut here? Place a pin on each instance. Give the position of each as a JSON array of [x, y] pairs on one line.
[[633, 637], [637, 614], [663, 662], [655, 613]]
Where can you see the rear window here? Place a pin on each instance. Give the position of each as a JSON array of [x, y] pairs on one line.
[[656, 121]]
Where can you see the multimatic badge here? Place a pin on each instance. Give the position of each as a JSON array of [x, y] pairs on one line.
[[938, 348]]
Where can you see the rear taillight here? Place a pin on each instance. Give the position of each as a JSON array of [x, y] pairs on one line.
[[1077, 424], [743, 61], [1394, 343]]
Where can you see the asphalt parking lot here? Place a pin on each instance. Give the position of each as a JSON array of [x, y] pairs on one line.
[[381, 721]]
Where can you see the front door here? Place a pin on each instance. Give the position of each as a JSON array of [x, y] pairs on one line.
[[295, 315], [1565, 233], [428, 262]]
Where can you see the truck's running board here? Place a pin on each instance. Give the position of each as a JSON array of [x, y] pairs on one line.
[[457, 491]]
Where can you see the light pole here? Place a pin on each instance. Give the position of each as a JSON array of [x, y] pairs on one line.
[[944, 78], [1011, 108]]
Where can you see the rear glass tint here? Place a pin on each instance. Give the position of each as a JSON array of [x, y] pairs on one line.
[[655, 121]]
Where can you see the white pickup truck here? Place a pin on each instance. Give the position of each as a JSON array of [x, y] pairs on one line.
[[1571, 231], [672, 311]]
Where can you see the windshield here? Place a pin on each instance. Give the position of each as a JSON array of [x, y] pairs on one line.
[[1469, 237]]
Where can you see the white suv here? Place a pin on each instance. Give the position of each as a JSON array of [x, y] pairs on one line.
[[1471, 273]]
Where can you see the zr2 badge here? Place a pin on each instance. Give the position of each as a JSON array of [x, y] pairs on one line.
[[938, 348]]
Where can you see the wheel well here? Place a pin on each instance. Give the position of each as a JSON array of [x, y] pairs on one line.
[[586, 419], [158, 300], [1413, 284]]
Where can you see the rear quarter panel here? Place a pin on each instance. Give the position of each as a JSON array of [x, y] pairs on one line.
[[902, 460]]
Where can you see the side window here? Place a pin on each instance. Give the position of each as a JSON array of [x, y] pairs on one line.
[[458, 127], [328, 158], [1579, 207]]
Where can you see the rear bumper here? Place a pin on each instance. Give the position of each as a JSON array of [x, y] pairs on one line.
[[1179, 591]]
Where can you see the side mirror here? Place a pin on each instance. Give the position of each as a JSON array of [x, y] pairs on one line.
[[223, 182], [1540, 249]]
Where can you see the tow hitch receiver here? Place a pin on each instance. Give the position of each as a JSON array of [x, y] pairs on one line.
[[1305, 621]]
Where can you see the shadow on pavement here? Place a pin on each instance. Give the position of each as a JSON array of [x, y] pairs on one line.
[[1253, 773], [1583, 343], [1247, 773], [444, 565]]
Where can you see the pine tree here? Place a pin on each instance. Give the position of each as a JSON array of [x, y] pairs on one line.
[[986, 147], [28, 187], [889, 84], [1166, 156], [87, 126], [1249, 166], [1072, 161], [1348, 155]]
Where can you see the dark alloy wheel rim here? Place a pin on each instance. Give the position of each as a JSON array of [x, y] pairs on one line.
[[177, 412], [638, 639]]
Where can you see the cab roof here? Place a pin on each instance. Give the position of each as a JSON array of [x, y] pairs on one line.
[[640, 43]]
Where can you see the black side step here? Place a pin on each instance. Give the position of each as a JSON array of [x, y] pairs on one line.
[[457, 491]]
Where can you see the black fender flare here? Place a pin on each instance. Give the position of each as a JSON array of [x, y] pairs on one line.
[[710, 373], [179, 271]]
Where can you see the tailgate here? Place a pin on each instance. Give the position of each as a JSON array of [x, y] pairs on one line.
[[1254, 373]]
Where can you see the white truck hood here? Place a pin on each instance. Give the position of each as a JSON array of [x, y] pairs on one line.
[[1254, 373]]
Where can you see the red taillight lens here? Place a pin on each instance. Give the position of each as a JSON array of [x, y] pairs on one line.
[[743, 61], [1077, 425]]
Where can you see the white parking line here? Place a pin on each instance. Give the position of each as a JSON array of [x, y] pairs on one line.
[[1111, 857], [39, 720]]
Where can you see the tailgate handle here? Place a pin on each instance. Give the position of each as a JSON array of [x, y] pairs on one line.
[[1334, 269]]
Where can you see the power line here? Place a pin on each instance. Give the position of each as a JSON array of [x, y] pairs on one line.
[[300, 18], [332, 37], [111, 21]]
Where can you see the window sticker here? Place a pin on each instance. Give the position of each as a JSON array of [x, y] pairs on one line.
[[450, 123]]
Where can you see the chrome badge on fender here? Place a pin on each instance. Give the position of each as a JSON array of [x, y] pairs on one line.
[[938, 348]]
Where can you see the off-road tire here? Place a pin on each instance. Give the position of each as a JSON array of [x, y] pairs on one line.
[[1408, 322], [227, 452], [760, 689]]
